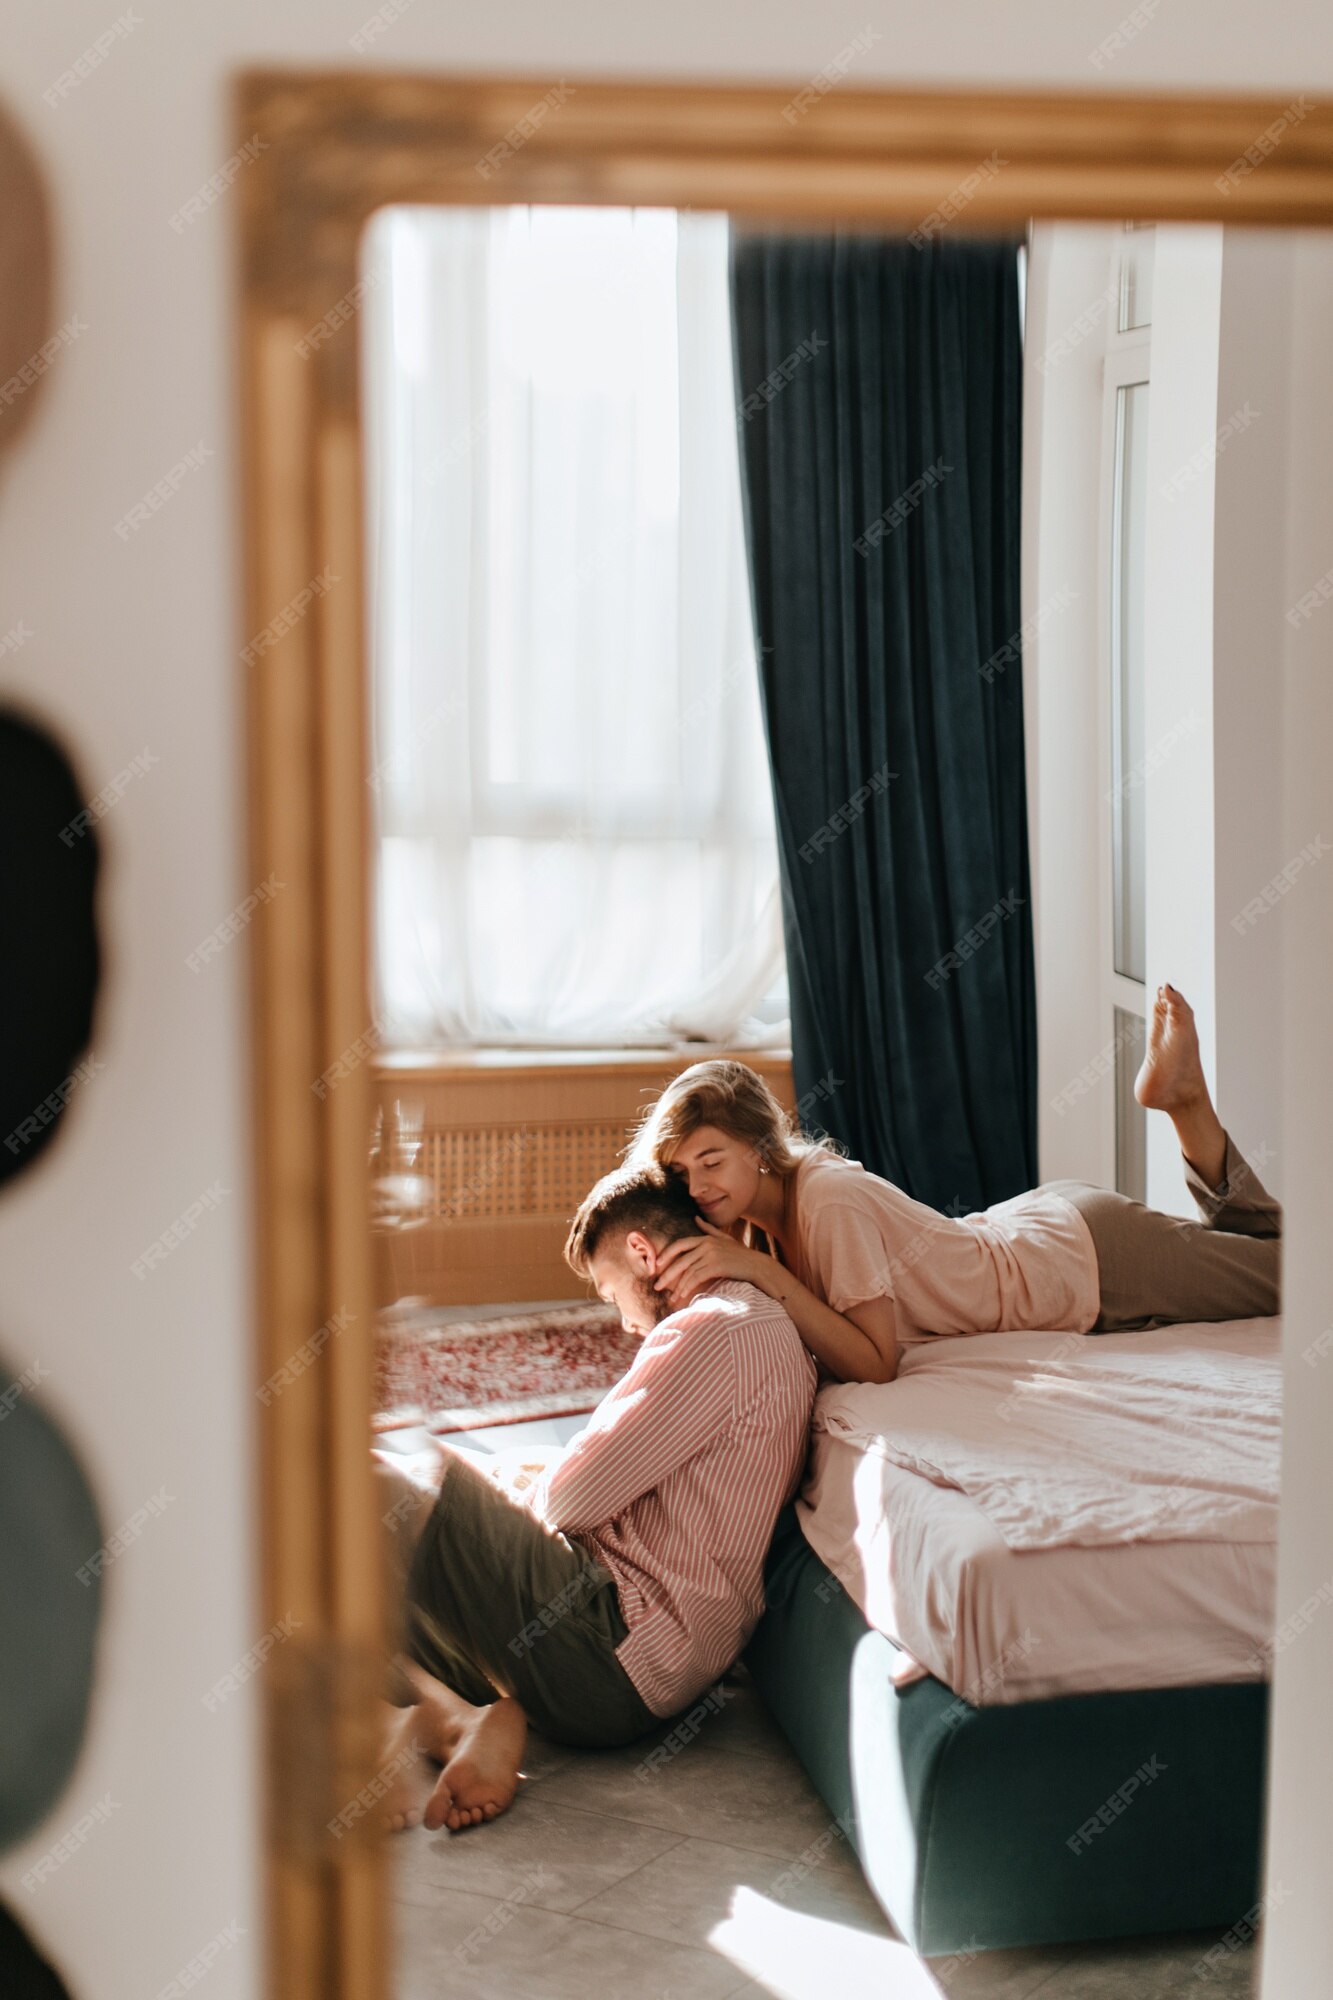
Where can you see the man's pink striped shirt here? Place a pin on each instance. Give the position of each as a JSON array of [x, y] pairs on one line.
[[676, 1482]]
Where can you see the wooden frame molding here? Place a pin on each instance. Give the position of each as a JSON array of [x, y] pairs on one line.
[[336, 146]]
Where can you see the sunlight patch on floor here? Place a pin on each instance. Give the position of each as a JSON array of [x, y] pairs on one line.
[[790, 1955]]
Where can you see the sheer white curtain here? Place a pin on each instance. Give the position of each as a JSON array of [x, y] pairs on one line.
[[575, 817]]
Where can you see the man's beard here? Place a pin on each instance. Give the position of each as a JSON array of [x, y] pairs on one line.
[[656, 1305]]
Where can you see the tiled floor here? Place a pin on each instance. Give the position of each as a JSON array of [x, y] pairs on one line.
[[604, 1885], [671, 1887]]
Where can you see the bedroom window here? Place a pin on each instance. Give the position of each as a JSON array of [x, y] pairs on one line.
[[576, 844], [1124, 557]]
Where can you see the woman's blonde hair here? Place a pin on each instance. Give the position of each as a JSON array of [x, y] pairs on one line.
[[738, 1102]]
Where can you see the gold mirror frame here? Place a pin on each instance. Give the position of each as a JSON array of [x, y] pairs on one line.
[[325, 151]]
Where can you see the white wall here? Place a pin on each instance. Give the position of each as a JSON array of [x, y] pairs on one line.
[[1181, 890], [135, 646], [1216, 597], [1299, 1944], [1064, 349], [1259, 481]]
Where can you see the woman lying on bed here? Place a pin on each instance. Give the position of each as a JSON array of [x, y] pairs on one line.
[[863, 1269]]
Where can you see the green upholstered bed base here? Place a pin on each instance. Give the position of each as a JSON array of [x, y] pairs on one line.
[[963, 1817]]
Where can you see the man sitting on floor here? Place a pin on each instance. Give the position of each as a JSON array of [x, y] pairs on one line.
[[631, 1575]]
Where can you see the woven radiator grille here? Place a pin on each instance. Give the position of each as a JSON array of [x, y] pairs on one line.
[[492, 1171]]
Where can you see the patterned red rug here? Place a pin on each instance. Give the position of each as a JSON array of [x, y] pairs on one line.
[[458, 1375]]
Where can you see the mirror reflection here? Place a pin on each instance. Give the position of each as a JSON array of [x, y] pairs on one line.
[[826, 1168]]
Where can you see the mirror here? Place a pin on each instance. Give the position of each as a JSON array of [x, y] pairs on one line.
[[965, 549]]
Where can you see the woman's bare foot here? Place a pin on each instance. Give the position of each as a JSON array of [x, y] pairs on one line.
[[480, 1777], [1171, 1079]]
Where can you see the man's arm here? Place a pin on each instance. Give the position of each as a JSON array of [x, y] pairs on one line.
[[676, 1398]]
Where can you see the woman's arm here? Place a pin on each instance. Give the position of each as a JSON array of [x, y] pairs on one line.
[[858, 1346]]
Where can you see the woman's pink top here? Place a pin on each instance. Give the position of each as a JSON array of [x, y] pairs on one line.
[[1026, 1262]]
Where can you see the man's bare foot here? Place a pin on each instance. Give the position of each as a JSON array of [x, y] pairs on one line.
[[1171, 1079], [480, 1776], [404, 1804]]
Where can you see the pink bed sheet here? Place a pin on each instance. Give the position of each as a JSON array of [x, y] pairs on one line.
[[1015, 1563]]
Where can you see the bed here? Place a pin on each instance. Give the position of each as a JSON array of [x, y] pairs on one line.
[[1031, 1685]]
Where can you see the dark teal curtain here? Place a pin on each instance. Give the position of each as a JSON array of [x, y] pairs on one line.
[[880, 418]]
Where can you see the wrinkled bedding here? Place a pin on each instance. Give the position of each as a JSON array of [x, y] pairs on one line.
[[1031, 1514]]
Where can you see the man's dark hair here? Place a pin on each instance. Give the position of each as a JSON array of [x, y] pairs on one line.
[[644, 1198]]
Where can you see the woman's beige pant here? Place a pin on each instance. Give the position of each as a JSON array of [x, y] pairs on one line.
[[1158, 1270]]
